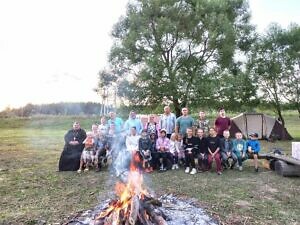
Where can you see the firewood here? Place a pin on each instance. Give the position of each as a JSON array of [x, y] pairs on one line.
[[157, 219], [134, 210], [153, 201]]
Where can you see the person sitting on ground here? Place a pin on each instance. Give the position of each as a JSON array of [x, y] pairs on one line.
[[163, 149], [214, 150], [70, 156], [222, 123], [202, 145], [190, 147], [174, 150], [253, 148], [152, 126], [183, 122], [181, 156], [239, 149], [202, 123], [227, 151], [145, 151], [133, 121], [87, 153]]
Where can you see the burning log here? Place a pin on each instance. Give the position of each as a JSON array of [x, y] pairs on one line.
[[134, 210]]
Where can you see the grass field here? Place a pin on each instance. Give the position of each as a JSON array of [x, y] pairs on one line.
[[32, 192]]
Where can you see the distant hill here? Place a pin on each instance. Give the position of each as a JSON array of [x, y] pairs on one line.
[[63, 108]]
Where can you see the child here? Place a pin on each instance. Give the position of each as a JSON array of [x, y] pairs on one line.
[[253, 148], [153, 150], [163, 147], [202, 150], [239, 149], [87, 153], [179, 143], [174, 150], [190, 143], [214, 150], [145, 152], [101, 151], [227, 151]]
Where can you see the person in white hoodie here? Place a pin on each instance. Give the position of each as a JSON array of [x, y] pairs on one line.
[[174, 150], [132, 141]]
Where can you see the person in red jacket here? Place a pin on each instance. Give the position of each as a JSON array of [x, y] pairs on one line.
[[222, 123]]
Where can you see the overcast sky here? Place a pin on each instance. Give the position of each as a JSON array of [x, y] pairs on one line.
[[52, 50]]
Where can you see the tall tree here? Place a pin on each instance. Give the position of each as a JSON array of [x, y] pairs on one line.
[[275, 66], [173, 49]]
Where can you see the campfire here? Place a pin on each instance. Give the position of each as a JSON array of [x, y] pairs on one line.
[[134, 205]]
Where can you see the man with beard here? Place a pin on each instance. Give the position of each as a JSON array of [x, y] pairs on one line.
[[70, 156]]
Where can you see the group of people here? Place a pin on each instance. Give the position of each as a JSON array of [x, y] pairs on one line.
[[169, 143]]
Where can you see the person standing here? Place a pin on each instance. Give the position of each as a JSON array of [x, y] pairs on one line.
[[202, 123], [70, 156], [133, 121], [168, 121], [116, 122], [222, 123], [183, 122]]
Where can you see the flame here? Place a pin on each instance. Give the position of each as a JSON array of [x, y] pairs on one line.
[[125, 192]]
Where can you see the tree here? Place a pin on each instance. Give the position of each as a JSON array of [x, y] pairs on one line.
[[174, 49], [273, 64], [290, 39]]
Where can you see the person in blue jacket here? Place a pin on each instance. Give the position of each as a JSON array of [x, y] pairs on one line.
[[253, 147]]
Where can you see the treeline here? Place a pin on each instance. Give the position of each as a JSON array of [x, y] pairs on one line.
[[81, 108]]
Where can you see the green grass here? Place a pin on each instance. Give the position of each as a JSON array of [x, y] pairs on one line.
[[32, 191]]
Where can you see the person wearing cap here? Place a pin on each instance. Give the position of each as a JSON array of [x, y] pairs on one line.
[[163, 149], [202, 123], [222, 122], [183, 122], [253, 147], [168, 121], [133, 121]]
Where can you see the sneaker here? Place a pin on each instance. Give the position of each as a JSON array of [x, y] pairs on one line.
[[86, 169], [79, 171], [176, 166], [173, 167], [240, 168], [194, 171], [187, 170], [219, 173], [256, 170]]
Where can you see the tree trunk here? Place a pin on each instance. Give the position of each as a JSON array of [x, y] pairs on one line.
[[281, 117], [177, 107]]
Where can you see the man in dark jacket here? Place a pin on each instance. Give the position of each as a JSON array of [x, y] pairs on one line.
[[70, 156]]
